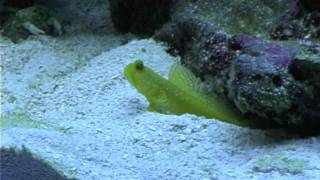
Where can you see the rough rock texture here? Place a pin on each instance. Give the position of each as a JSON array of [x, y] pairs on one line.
[[82, 15], [75, 15], [251, 72], [233, 17], [300, 21], [306, 65], [262, 82], [31, 20], [8, 8], [305, 68], [140, 16], [258, 81]]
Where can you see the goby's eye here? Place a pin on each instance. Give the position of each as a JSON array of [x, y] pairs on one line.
[[139, 65]]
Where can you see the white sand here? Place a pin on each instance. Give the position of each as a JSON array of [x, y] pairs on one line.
[[98, 126]]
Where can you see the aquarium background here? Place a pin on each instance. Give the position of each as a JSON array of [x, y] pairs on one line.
[[67, 111]]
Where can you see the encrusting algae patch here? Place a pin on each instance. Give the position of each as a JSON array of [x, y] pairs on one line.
[[21, 119], [180, 94]]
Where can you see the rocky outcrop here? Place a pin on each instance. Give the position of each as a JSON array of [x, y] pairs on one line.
[[34, 20], [76, 16], [263, 78]]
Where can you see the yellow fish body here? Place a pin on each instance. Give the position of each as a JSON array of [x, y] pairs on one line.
[[180, 94]]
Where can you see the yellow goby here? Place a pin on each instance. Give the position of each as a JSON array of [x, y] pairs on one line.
[[180, 94]]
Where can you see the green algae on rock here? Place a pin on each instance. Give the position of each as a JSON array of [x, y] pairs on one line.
[[21, 119], [281, 164], [241, 16]]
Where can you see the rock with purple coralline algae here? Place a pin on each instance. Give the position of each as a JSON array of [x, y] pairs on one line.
[[259, 77], [266, 79], [259, 80], [273, 81], [279, 83]]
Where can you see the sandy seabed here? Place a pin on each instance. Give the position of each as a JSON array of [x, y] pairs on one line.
[[84, 118]]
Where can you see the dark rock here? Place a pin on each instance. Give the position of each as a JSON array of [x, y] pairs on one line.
[[306, 65], [19, 165], [300, 21], [34, 20], [288, 30], [311, 5], [9, 7], [139, 16], [305, 69], [18, 3]]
